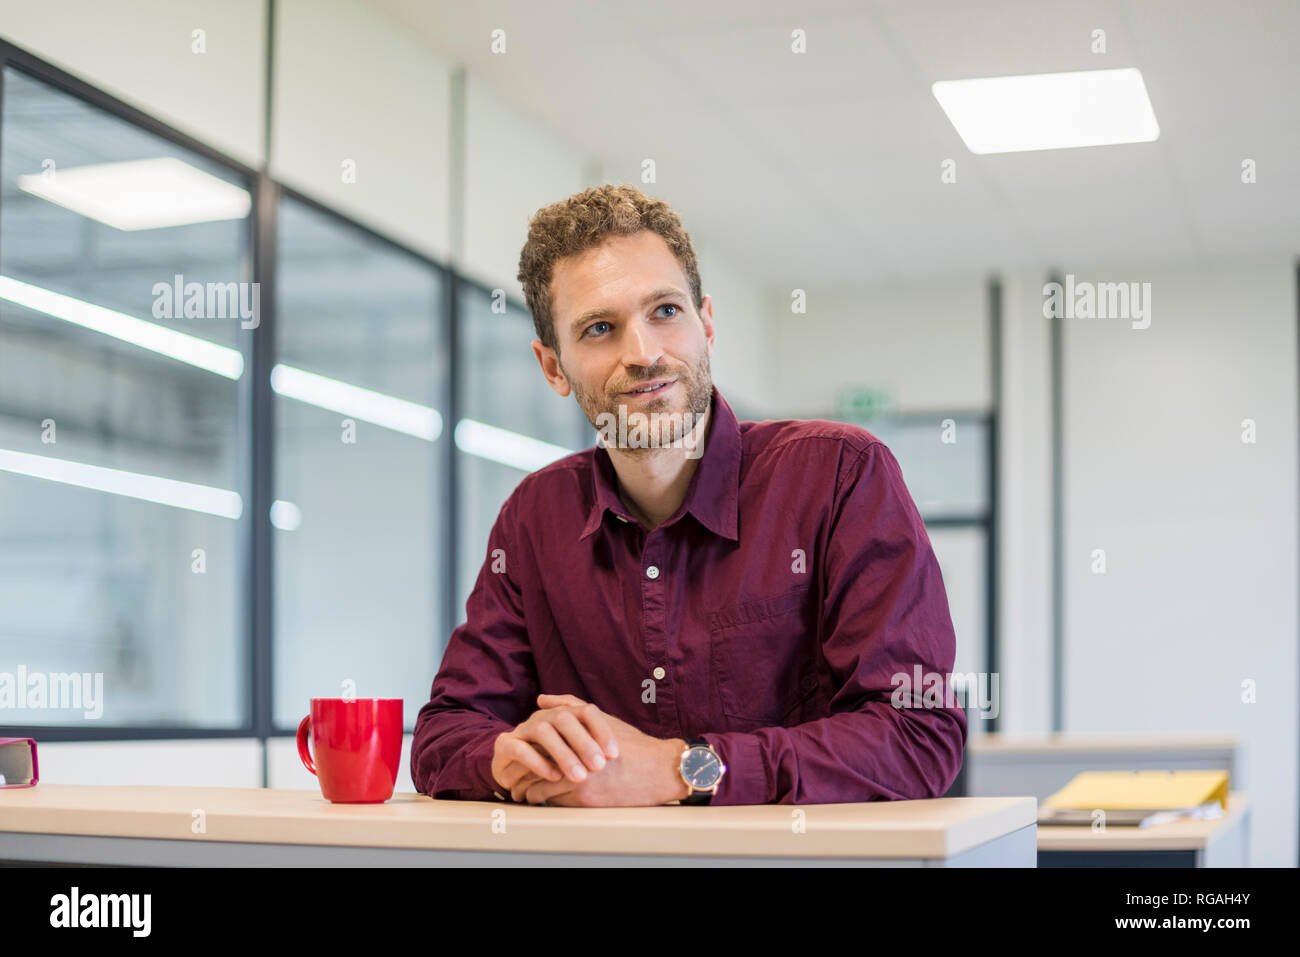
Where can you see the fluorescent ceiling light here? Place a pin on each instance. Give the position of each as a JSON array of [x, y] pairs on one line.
[[408, 417], [1049, 111], [148, 488], [141, 194], [399, 415], [508, 448], [147, 335]]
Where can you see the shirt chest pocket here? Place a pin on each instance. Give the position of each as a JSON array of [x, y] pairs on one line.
[[764, 654]]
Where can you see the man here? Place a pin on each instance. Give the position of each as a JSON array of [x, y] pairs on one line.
[[695, 610]]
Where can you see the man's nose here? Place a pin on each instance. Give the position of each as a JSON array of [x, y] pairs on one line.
[[641, 346]]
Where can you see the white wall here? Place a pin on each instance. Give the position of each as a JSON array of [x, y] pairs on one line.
[[1025, 513], [351, 86], [142, 52], [1198, 528], [928, 342], [201, 762], [223, 762], [513, 167], [742, 359], [961, 553]]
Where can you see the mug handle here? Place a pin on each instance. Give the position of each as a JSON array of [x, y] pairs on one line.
[[304, 751]]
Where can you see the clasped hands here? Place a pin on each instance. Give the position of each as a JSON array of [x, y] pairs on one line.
[[569, 752]]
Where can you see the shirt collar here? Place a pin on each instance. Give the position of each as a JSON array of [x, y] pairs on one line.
[[713, 493]]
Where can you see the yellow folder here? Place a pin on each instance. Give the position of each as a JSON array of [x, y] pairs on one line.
[[1141, 790]]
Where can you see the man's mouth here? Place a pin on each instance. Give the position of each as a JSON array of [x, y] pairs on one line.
[[652, 388]]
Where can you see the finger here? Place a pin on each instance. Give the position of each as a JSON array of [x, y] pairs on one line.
[[554, 700], [520, 788], [579, 737], [601, 728], [534, 758], [546, 791], [516, 748], [513, 772], [555, 790], [549, 738]]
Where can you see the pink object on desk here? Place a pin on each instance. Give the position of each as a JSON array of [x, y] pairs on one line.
[[18, 762]]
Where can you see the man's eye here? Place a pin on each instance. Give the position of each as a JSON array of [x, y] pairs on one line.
[[669, 305], [594, 325]]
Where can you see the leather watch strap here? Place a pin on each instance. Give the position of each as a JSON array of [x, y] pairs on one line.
[[697, 797]]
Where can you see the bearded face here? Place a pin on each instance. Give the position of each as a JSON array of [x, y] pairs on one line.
[[657, 407]]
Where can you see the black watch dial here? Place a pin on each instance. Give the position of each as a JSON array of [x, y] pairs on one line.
[[701, 768]]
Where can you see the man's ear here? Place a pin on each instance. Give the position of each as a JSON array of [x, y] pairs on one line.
[[706, 317], [550, 363]]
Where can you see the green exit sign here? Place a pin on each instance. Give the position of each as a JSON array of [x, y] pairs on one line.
[[863, 404]]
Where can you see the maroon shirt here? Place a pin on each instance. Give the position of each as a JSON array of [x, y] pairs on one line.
[[780, 600]]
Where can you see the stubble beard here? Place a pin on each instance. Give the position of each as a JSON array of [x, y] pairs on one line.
[[672, 428]]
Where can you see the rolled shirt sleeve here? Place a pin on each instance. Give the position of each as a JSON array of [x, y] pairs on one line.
[[885, 614], [487, 682]]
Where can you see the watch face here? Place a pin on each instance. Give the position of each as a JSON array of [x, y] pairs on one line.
[[701, 767]]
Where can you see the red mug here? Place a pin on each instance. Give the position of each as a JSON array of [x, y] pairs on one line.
[[357, 743]]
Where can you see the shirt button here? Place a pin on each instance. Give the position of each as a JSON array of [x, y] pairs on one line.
[[659, 674], [652, 571]]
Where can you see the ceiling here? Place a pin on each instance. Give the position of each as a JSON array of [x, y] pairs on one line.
[[825, 167]]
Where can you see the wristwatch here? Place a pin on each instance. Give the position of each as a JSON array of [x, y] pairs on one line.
[[701, 769]]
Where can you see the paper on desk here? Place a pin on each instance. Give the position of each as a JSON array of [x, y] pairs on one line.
[[1141, 791], [1205, 812]]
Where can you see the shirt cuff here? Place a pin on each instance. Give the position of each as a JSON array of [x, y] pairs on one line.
[[480, 760], [746, 779]]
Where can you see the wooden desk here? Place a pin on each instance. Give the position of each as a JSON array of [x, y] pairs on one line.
[[156, 826], [1224, 842]]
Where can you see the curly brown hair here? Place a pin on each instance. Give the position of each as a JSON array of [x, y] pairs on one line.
[[584, 221]]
